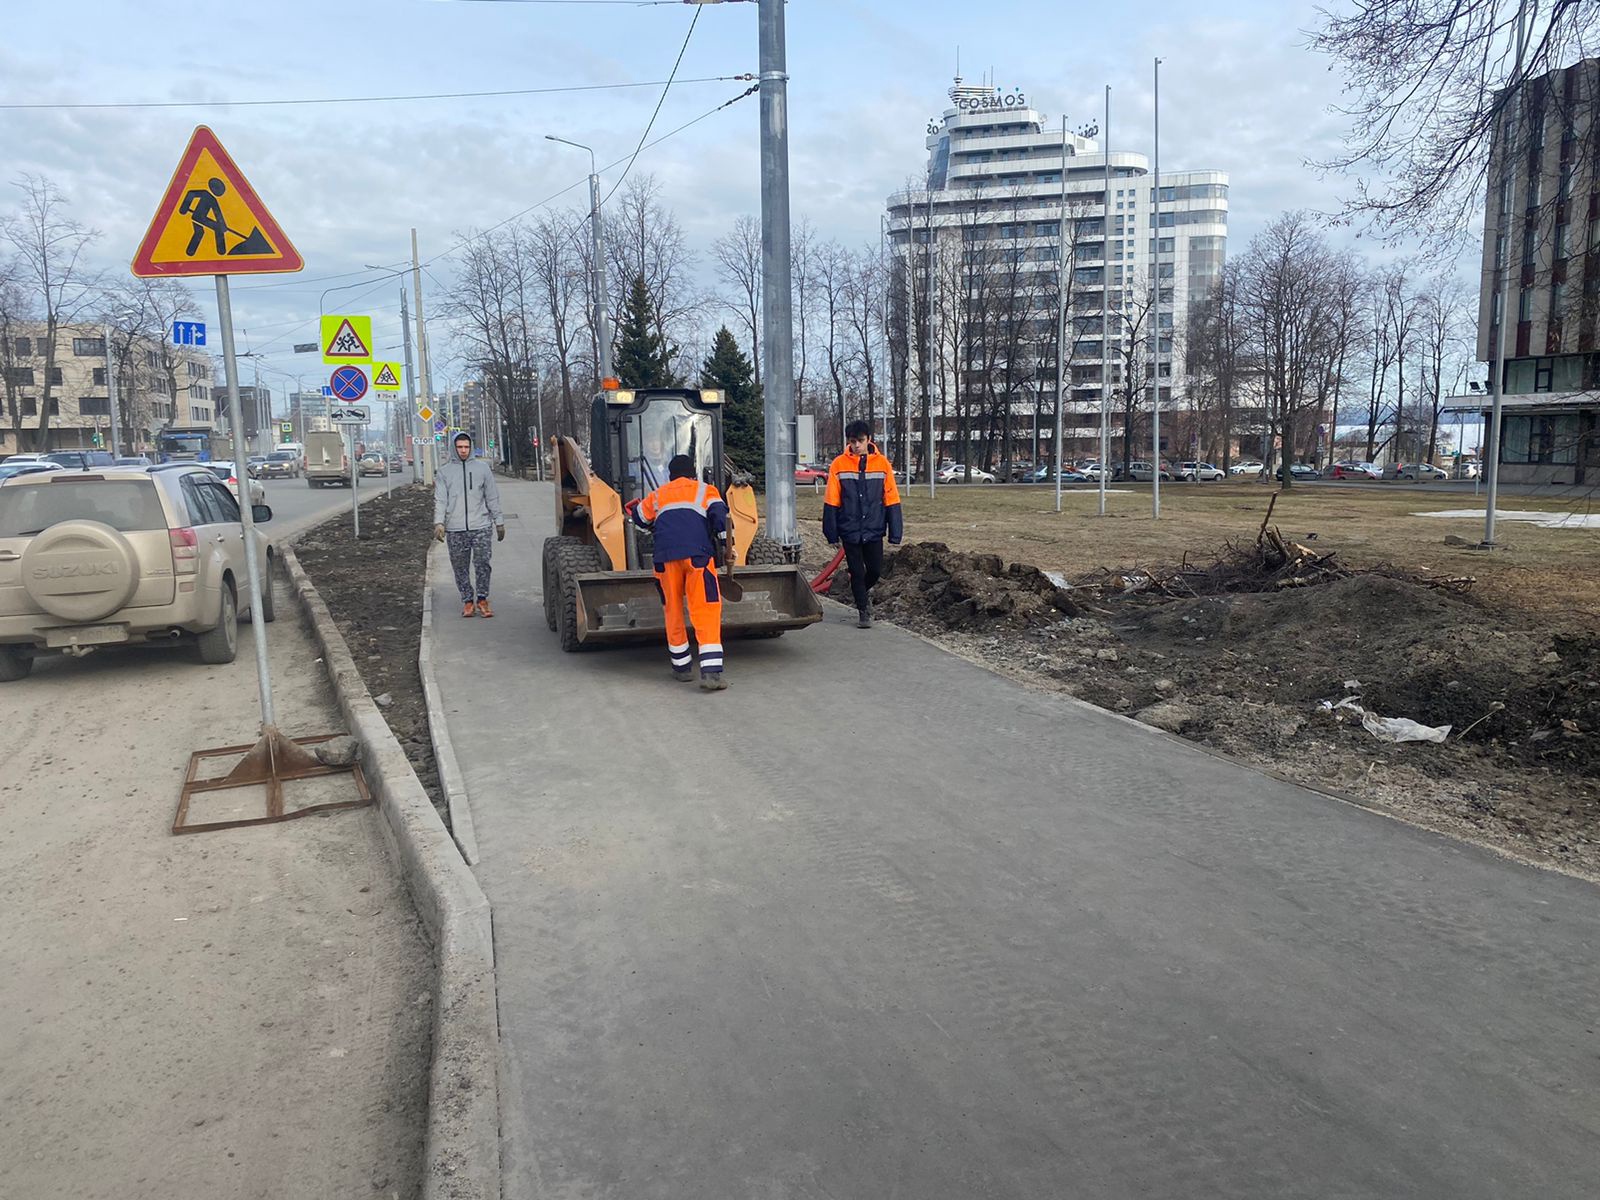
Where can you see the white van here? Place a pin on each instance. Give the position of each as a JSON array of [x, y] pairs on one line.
[[326, 462]]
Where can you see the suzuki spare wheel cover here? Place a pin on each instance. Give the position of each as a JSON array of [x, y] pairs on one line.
[[80, 570]]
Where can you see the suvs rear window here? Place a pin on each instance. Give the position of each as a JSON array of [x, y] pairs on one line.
[[27, 508]]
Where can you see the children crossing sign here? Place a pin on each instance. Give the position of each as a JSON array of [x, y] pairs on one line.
[[211, 222], [385, 377], [346, 339]]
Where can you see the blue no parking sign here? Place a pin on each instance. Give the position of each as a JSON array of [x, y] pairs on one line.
[[348, 383]]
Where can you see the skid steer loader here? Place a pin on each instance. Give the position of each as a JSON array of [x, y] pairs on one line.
[[599, 588]]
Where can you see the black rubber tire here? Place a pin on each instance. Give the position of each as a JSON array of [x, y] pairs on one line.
[[15, 663], [570, 560], [764, 552], [269, 612], [550, 582], [220, 644]]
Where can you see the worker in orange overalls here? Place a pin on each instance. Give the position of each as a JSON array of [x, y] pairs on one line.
[[689, 522]]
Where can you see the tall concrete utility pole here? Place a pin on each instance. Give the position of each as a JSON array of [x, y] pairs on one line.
[[1061, 307], [420, 429], [1508, 158], [1105, 326], [1155, 319], [777, 324], [422, 355]]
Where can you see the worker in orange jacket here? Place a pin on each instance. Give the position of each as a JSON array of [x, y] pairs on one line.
[[861, 505], [689, 524]]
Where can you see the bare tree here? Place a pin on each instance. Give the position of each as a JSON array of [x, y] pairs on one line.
[[834, 268], [16, 314], [50, 246], [738, 258], [644, 239], [493, 304], [864, 302], [1431, 81], [551, 247], [139, 314]]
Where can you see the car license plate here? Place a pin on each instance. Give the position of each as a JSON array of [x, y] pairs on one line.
[[86, 635]]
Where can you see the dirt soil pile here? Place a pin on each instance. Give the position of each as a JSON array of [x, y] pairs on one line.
[[373, 587], [1244, 665]]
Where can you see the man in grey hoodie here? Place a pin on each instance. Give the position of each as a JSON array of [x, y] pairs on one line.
[[466, 505]]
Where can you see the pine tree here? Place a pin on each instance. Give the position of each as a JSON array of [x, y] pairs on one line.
[[744, 434], [643, 358]]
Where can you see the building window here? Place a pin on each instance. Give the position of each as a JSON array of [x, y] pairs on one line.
[[152, 359], [197, 370], [1530, 240], [24, 347], [89, 347], [99, 377], [94, 406], [1541, 438], [1047, 229], [1525, 305], [1558, 303], [55, 375], [19, 375], [30, 407]]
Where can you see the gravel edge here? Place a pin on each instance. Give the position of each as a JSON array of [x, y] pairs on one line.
[[462, 1143]]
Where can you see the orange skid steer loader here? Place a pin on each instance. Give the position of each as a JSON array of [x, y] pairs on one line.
[[599, 588]]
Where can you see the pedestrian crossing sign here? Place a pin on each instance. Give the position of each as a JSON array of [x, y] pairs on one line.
[[346, 339], [211, 222], [385, 377]]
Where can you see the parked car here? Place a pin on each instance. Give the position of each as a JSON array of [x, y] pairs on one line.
[[28, 466], [281, 464], [169, 553], [135, 460], [1250, 470], [1300, 472], [26, 456], [223, 470], [82, 460], [1202, 471], [1419, 472], [1092, 471], [1140, 471], [956, 473], [810, 473], [1355, 470], [373, 464]]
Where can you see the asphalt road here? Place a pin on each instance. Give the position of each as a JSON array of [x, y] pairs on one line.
[[877, 922], [295, 503]]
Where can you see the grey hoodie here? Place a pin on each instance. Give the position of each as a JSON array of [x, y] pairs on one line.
[[465, 496]]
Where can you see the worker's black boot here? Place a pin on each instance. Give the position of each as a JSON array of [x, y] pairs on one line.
[[713, 681], [683, 676], [864, 619]]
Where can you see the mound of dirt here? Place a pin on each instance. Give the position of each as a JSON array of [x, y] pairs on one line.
[[928, 586], [1243, 670]]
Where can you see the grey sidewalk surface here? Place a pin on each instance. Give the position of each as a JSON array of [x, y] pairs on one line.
[[876, 922]]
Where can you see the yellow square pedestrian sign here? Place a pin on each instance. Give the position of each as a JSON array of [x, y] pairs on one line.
[[346, 339], [386, 377]]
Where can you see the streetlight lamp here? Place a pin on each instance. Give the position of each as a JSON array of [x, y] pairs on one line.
[[601, 327]]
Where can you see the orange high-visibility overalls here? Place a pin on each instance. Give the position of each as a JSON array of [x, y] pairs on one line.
[[685, 517]]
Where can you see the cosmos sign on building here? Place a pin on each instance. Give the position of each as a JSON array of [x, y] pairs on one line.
[[995, 101]]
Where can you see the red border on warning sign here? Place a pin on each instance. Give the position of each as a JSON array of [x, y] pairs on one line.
[[287, 259]]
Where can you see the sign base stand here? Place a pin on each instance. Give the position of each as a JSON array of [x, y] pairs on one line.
[[273, 761]]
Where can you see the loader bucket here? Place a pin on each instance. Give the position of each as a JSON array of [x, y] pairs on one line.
[[615, 607]]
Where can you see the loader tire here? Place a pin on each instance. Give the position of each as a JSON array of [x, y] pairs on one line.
[[549, 582], [571, 559], [764, 552]]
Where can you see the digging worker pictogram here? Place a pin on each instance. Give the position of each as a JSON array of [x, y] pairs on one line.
[[466, 506], [689, 522], [201, 207], [862, 504]]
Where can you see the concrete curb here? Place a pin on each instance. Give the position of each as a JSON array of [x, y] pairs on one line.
[[451, 781], [462, 1151]]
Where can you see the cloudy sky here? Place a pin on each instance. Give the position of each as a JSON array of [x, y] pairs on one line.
[[1239, 93]]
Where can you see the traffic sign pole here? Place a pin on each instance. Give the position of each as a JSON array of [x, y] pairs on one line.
[[258, 627]]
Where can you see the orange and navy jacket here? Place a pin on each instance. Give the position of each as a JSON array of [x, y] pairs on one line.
[[684, 516], [863, 501]]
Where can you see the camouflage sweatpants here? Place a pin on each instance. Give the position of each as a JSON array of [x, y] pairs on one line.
[[469, 548]]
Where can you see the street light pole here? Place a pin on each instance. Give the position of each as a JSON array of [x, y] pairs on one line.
[[111, 391], [1155, 319], [602, 327]]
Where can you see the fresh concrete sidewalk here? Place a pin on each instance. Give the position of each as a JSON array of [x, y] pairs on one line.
[[876, 922]]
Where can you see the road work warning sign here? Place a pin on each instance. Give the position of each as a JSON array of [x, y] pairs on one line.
[[211, 222], [346, 339]]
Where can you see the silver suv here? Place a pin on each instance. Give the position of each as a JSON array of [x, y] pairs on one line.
[[120, 556]]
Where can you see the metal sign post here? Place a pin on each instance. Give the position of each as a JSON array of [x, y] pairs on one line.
[[352, 417]]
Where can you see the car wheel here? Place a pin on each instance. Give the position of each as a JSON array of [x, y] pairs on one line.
[[15, 663], [220, 644], [269, 612]]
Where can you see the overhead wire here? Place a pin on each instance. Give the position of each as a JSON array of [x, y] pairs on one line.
[[549, 91], [662, 99]]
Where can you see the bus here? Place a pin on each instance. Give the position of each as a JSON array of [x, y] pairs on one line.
[[184, 443]]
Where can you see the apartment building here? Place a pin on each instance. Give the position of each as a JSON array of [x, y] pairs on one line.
[[157, 386], [995, 171], [1542, 219]]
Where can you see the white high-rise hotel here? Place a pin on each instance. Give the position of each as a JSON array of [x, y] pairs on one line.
[[995, 177]]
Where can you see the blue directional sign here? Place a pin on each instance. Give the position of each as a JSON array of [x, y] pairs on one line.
[[188, 333]]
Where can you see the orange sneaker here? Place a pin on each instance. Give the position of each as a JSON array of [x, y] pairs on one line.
[[469, 609], [484, 610]]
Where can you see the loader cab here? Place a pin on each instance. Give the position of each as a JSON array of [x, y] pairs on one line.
[[634, 433]]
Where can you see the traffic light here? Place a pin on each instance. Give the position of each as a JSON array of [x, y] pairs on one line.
[[98, 440]]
